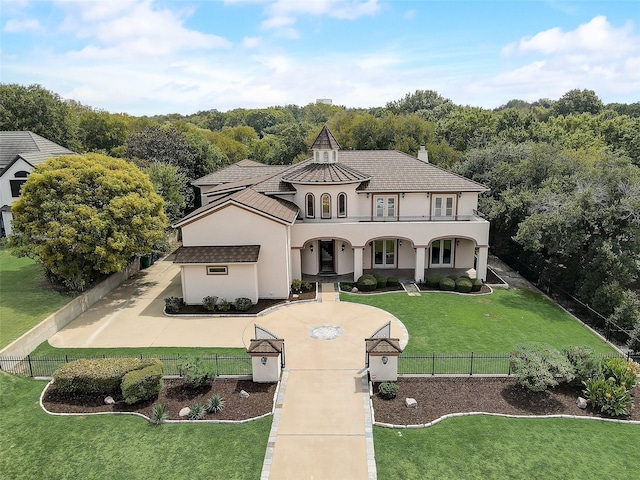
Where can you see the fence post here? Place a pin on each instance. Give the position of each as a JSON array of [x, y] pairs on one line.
[[471, 370], [433, 363], [30, 367], [217, 369]]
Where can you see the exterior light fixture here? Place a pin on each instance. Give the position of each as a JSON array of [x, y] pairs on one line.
[[367, 194], [402, 194], [343, 247], [263, 360], [459, 194], [385, 359], [400, 243], [311, 247]]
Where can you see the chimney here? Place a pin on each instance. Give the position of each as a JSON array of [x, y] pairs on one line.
[[423, 154]]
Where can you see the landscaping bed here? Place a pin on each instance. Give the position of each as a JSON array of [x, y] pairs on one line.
[[438, 396], [423, 287], [175, 395]]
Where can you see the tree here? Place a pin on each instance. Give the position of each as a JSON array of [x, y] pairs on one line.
[[158, 144], [578, 101], [38, 110], [170, 183], [81, 217]]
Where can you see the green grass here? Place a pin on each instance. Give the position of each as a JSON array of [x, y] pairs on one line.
[[446, 323], [483, 447], [25, 299], [46, 350], [38, 445]]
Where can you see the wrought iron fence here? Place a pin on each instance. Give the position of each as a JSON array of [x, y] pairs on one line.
[[33, 366], [466, 363]]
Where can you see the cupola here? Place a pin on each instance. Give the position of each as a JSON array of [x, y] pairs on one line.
[[325, 147]]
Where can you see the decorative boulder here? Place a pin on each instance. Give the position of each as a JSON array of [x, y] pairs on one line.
[[411, 402], [244, 394], [581, 403], [184, 412], [354, 290], [109, 401]]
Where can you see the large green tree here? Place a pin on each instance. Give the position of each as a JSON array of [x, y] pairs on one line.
[[81, 217], [171, 184]]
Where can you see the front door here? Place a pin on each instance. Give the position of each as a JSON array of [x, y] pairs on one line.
[[384, 254], [327, 256]]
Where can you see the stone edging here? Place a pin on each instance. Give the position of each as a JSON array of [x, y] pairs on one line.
[[423, 291], [232, 422], [504, 415]]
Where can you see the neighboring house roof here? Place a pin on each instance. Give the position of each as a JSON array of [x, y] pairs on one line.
[[238, 172], [30, 146], [218, 254], [325, 141], [275, 208], [325, 173]]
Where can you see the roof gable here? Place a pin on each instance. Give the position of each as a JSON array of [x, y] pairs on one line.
[[30, 146]]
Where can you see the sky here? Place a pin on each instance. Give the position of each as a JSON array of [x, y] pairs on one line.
[[148, 57]]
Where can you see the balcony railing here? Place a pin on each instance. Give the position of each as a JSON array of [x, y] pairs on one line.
[[476, 217]]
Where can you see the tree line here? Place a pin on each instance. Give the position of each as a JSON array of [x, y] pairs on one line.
[[564, 175]]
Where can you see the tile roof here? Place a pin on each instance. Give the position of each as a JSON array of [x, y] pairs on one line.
[[383, 345], [30, 146], [238, 172], [325, 173], [218, 254], [266, 345], [276, 208], [325, 141]]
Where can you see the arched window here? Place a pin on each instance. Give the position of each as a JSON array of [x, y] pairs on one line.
[[342, 205], [326, 205], [335, 156], [310, 202], [325, 157], [16, 185], [317, 157], [21, 174]]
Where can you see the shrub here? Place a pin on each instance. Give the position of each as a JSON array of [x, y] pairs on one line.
[[586, 363], [609, 398], [393, 282], [367, 283], [173, 304], [242, 304], [381, 280], [194, 372], [476, 284], [224, 305], [447, 284], [197, 411], [388, 390], [634, 339], [143, 384], [538, 366], [296, 285], [215, 404], [159, 414], [433, 280], [624, 373], [306, 287], [463, 285], [98, 375], [346, 287], [209, 303]]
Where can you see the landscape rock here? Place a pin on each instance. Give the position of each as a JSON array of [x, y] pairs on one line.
[[244, 394], [354, 290], [109, 401], [184, 412], [581, 403], [411, 402]]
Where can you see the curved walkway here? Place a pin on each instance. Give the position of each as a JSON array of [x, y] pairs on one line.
[[322, 424]]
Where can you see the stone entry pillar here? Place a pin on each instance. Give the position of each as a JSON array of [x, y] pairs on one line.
[[382, 355], [266, 356]]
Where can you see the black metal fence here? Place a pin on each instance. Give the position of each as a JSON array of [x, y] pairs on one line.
[[466, 363], [32, 366]]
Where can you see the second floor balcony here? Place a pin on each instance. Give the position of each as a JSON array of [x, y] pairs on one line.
[[474, 217]]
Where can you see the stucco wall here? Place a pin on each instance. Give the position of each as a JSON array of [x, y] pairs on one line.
[[5, 190], [240, 281]]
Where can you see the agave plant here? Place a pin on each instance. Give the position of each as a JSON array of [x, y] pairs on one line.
[[215, 404], [197, 412], [159, 413]]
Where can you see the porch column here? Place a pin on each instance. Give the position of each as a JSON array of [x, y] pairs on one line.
[[357, 263], [420, 259], [481, 265], [296, 263]]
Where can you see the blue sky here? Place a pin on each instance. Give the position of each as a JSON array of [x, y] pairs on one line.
[[147, 57]]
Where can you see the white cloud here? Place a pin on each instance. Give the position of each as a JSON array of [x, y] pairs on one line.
[[251, 42], [18, 26]]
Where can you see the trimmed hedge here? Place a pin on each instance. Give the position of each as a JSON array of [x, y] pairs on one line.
[[433, 280], [476, 284], [367, 283], [393, 282], [143, 384], [209, 303], [463, 285], [447, 284], [242, 304], [380, 279], [101, 375]]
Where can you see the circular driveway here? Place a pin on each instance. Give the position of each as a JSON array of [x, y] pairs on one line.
[[132, 316]]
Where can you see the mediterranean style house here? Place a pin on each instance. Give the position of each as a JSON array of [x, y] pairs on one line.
[[19, 153], [338, 213]]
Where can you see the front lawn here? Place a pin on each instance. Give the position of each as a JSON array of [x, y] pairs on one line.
[[26, 297], [484, 447], [38, 445], [448, 323]]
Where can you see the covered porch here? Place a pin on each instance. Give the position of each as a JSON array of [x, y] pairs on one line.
[[402, 274]]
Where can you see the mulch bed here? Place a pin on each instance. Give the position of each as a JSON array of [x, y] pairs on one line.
[[437, 396], [424, 288], [175, 395], [263, 304]]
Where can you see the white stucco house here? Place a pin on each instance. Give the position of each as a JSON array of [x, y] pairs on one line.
[[338, 213], [20, 152]]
